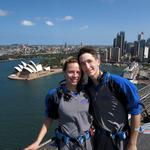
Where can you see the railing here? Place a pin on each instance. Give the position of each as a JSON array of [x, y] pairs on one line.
[[47, 146], [145, 90], [145, 98]]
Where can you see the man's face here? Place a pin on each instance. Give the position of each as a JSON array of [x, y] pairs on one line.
[[90, 65], [72, 74]]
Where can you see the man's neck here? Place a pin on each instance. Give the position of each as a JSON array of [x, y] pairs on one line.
[[94, 78]]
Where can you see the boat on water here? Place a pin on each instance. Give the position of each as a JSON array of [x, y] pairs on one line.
[[134, 81], [131, 72], [136, 74]]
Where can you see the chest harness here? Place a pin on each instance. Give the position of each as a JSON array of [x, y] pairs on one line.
[[79, 141], [117, 135], [60, 136]]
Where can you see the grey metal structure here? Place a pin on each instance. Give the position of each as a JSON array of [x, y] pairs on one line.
[[145, 98], [143, 141]]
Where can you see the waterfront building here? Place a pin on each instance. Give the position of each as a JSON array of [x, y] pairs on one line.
[[28, 71]]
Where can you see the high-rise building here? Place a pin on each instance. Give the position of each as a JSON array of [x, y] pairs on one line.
[[149, 55], [141, 46], [140, 38], [115, 54], [104, 54], [122, 43], [119, 42], [130, 48], [136, 48], [146, 51], [65, 46], [148, 42]]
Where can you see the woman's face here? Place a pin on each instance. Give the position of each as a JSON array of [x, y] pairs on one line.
[[72, 74]]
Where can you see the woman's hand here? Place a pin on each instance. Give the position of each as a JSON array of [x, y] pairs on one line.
[[33, 146]]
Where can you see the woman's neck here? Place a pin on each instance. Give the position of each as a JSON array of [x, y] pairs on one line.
[[71, 87]]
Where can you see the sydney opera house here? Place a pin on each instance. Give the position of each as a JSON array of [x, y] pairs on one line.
[[29, 71]]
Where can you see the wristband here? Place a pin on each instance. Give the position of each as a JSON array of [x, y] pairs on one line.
[[139, 129]]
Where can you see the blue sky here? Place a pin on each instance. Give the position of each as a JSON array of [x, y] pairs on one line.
[[72, 21]]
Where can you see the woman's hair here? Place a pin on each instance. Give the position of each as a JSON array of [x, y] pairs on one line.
[[69, 60]]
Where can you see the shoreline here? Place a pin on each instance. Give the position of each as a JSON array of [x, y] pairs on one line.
[[35, 75]]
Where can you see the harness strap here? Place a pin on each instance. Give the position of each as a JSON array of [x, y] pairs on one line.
[[80, 140], [66, 138], [122, 135], [116, 136]]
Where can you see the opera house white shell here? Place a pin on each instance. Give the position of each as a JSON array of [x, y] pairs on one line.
[[31, 67], [28, 71]]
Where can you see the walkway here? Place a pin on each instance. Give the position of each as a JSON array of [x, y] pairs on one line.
[[144, 139]]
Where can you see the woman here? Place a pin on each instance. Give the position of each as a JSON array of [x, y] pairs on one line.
[[69, 104]]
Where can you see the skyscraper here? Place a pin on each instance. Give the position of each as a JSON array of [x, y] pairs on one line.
[[141, 46], [119, 42]]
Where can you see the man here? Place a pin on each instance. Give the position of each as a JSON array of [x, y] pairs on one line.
[[112, 98]]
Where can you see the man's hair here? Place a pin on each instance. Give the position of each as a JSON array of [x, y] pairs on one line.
[[87, 49]]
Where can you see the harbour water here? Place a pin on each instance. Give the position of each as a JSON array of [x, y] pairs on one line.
[[22, 106]]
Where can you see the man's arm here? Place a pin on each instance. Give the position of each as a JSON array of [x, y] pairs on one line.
[[135, 123]]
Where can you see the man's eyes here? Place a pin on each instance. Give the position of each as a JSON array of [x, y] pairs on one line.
[[88, 61]]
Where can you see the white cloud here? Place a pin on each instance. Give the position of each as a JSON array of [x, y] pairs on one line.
[[67, 18], [3, 13], [84, 27], [49, 23], [27, 23]]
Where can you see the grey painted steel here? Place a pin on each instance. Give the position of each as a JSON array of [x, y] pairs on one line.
[[143, 140]]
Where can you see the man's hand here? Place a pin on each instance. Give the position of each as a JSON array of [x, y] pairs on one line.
[[131, 147]]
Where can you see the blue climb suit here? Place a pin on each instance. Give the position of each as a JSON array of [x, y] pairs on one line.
[[74, 121], [111, 100]]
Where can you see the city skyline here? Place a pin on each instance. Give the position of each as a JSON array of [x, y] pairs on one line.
[[72, 21]]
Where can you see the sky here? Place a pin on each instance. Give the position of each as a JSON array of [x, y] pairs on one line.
[[92, 22]]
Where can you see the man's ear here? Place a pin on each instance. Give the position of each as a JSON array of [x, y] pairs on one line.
[[98, 61]]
